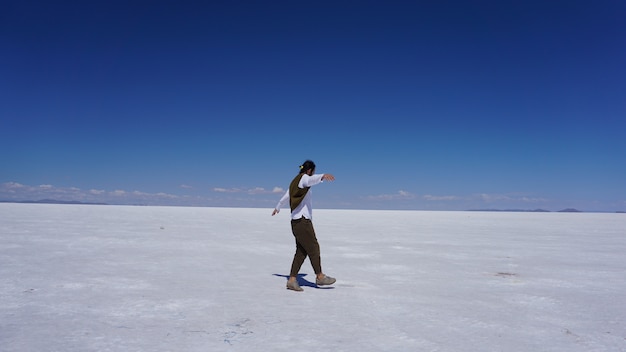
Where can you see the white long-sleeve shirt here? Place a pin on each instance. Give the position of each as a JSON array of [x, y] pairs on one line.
[[305, 209]]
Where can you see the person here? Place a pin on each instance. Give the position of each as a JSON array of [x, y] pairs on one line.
[[299, 197]]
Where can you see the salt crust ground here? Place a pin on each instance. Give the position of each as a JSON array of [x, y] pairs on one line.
[[114, 278]]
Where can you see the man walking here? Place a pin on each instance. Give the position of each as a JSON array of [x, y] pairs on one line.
[[299, 197]]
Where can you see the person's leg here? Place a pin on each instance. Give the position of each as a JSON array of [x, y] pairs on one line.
[[305, 236], [306, 245], [301, 253], [298, 259], [312, 248]]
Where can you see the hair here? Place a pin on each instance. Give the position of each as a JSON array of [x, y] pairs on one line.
[[306, 166]]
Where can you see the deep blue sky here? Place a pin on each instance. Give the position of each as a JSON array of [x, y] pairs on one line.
[[445, 105]]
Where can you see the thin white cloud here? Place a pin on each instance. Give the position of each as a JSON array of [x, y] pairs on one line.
[[13, 187], [395, 196], [255, 190], [482, 197], [45, 191], [14, 191], [144, 195], [186, 186], [490, 198], [441, 198], [533, 200], [165, 195], [226, 190]]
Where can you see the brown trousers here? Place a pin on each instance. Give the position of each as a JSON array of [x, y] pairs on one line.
[[306, 245]]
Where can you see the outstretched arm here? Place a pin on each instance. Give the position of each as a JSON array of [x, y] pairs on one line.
[[312, 180], [328, 177], [281, 202]]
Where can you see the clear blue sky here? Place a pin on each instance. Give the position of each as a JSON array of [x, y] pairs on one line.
[[445, 105]]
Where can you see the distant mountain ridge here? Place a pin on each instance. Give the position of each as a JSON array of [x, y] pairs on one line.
[[50, 201], [568, 210], [514, 210]]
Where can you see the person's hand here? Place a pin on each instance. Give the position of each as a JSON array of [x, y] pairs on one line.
[[328, 177], [276, 211]]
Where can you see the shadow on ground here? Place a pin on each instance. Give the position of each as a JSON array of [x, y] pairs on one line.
[[304, 282]]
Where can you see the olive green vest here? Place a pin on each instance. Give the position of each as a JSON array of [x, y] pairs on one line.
[[296, 194]]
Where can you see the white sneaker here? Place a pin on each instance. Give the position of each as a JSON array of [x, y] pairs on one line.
[[326, 280], [293, 285]]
